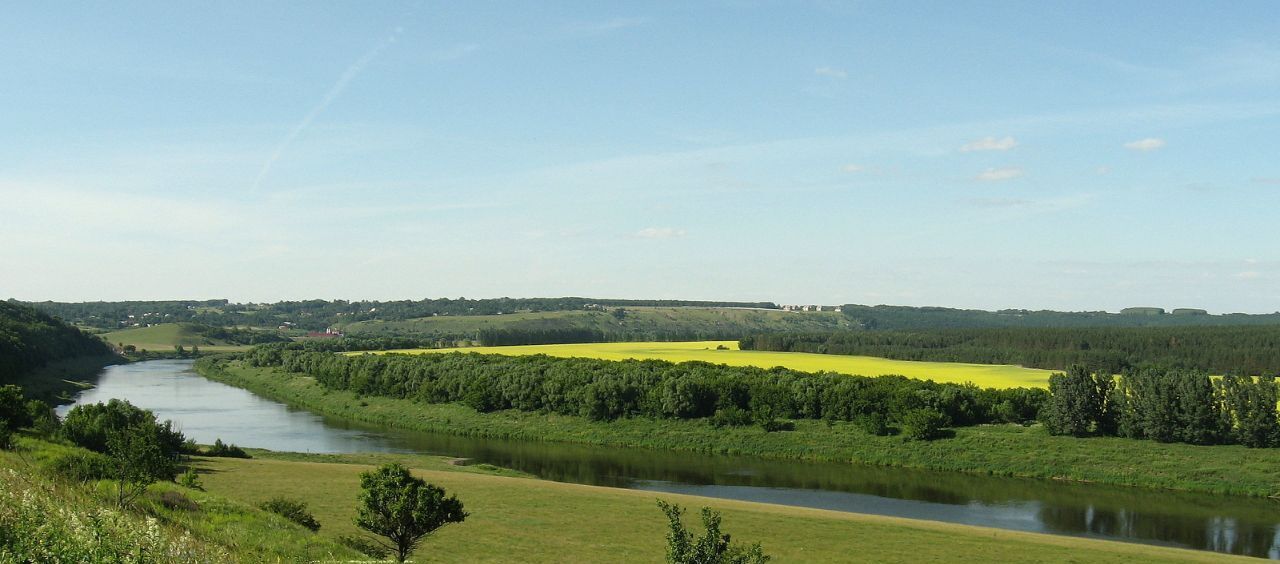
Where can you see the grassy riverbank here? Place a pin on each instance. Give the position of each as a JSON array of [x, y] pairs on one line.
[[542, 521], [994, 450], [59, 381]]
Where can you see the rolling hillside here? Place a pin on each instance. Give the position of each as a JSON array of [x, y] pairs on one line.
[[164, 337]]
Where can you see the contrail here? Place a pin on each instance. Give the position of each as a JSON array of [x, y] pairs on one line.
[[334, 92]]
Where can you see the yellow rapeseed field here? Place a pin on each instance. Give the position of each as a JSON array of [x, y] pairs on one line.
[[984, 375]]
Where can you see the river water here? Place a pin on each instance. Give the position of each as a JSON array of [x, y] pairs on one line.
[[207, 410]]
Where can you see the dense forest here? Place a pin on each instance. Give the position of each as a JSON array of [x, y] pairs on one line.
[[606, 390], [1243, 349], [1166, 406], [29, 339], [319, 314], [905, 318]]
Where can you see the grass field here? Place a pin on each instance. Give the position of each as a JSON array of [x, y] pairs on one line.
[[165, 336], [984, 375], [692, 320], [1001, 450], [529, 520]]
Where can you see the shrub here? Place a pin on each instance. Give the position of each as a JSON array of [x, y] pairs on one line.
[[6, 437], [713, 547], [364, 546], [731, 416], [90, 425], [923, 425], [292, 510], [81, 466], [224, 450], [190, 479], [874, 423]]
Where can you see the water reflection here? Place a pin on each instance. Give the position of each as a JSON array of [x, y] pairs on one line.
[[207, 410]]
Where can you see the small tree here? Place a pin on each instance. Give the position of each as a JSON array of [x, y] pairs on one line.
[[402, 508], [712, 548], [138, 459]]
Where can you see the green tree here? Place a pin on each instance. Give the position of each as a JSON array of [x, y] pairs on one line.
[[402, 508], [138, 459], [1077, 402], [713, 547]]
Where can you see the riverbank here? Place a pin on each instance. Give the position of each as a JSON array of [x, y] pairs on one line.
[[987, 450], [543, 521], [59, 381]]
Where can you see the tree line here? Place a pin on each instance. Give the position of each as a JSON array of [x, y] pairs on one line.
[[1243, 349], [906, 318], [606, 390], [1185, 406]]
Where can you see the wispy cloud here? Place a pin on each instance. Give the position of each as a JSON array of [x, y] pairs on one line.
[[999, 174], [1266, 180], [660, 233], [1148, 144], [606, 26], [831, 72], [853, 168], [334, 92], [989, 144], [1248, 275]]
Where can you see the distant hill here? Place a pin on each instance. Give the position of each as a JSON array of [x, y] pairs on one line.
[[165, 336], [904, 318]]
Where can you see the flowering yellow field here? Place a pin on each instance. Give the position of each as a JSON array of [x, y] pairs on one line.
[[984, 375]]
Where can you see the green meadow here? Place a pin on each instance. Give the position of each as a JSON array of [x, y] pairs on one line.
[[165, 336]]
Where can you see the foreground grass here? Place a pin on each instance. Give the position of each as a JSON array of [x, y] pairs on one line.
[[43, 519], [528, 520], [994, 450], [726, 352]]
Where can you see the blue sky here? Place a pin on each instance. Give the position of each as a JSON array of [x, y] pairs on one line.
[[1081, 156]]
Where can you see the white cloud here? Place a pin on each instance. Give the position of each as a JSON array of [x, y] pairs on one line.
[[1148, 144], [1266, 180], [660, 233], [606, 26], [989, 144], [831, 72], [999, 174], [1248, 275], [853, 168], [1103, 170]]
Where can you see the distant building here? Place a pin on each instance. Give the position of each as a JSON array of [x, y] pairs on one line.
[[329, 333]]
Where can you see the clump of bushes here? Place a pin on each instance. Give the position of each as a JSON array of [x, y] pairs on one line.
[[190, 480], [80, 467], [924, 425], [176, 501], [224, 450], [292, 510]]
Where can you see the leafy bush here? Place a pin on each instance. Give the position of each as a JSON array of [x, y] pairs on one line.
[[292, 510], [13, 408], [923, 425], [79, 466], [190, 480], [732, 416], [874, 424], [224, 450], [6, 438], [712, 547], [90, 425]]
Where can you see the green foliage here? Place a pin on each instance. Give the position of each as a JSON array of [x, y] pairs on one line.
[[1247, 402], [14, 413], [6, 438], [713, 547], [91, 425], [906, 318], [29, 339], [138, 458], [224, 450], [190, 480], [176, 501], [924, 425], [402, 508], [79, 466], [603, 390], [1077, 402], [292, 510]]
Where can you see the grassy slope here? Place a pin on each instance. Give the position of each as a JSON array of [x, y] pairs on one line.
[[532, 520], [165, 336], [245, 532], [998, 450], [984, 375], [705, 319]]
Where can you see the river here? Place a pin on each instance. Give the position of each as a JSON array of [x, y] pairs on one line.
[[207, 410]]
